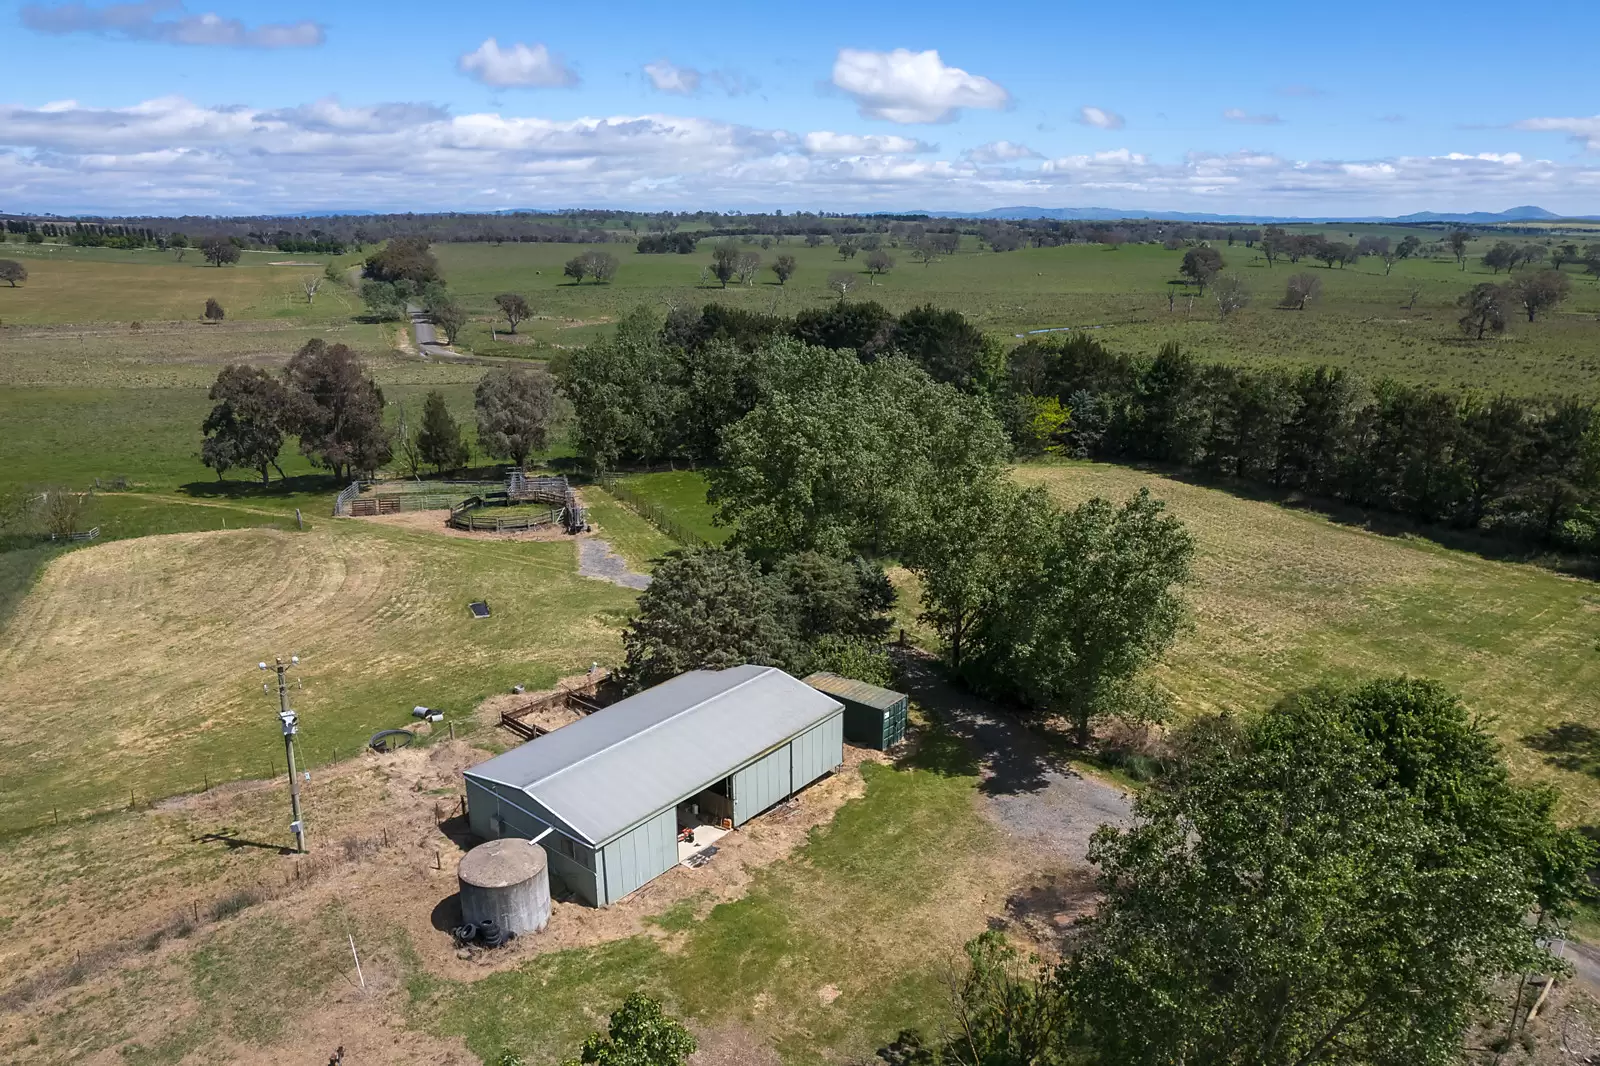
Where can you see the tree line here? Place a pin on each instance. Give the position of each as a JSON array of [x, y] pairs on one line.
[[327, 399], [1515, 466]]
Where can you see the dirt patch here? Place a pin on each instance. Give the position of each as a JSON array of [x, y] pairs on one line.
[[437, 522], [731, 1045]]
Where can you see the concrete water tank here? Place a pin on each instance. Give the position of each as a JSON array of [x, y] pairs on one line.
[[507, 880]]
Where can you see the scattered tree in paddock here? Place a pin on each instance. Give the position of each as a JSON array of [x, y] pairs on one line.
[[813, 240], [219, 251], [725, 262], [1563, 254], [847, 248], [1301, 290], [602, 266], [879, 262], [12, 271], [1200, 265], [246, 427], [783, 267], [517, 407], [1543, 291], [746, 265], [338, 409], [62, 510], [439, 439], [213, 311], [576, 268], [514, 307], [1232, 295], [841, 282], [311, 284], [1531, 253], [1503, 256], [1484, 307], [1458, 246], [449, 316]]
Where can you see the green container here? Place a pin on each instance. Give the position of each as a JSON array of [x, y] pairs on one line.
[[873, 717]]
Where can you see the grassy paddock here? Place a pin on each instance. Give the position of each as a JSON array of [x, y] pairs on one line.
[[681, 494], [137, 657], [1285, 598], [1365, 319]]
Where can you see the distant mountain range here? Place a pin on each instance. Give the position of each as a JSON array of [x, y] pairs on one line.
[[1108, 214]]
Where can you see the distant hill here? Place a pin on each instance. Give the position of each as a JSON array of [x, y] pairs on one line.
[[1108, 214]]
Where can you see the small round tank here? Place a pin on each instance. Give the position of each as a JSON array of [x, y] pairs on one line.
[[507, 880]]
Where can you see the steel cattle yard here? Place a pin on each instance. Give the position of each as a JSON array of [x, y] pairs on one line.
[[471, 503], [609, 794]]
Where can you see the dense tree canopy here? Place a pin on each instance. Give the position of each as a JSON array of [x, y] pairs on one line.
[[517, 408], [439, 441], [404, 259], [246, 427], [1337, 881], [338, 409]]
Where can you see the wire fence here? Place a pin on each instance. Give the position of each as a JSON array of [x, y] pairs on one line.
[[652, 512]]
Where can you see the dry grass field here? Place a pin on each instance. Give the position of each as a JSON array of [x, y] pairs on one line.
[[134, 661], [1283, 598]]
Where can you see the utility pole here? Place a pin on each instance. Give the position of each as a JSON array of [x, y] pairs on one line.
[[291, 726]]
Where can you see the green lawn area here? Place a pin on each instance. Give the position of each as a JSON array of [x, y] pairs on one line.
[[870, 911], [138, 656], [681, 496], [629, 535], [1284, 598]]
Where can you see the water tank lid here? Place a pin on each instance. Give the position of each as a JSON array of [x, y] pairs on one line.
[[502, 863]]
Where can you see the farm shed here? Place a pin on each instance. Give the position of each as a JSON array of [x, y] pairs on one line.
[[873, 717], [615, 786]]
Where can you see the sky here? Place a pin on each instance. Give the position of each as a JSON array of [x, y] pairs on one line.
[[1351, 109]]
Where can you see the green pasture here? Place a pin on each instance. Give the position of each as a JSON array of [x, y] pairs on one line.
[[1401, 323]]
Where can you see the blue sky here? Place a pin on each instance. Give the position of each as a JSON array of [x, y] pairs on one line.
[[1355, 108]]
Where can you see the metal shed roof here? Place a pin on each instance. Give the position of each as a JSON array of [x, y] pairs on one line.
[[606, 772], [856, 691]]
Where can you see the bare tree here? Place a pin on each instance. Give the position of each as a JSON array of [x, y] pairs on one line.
[[841, 282], [1301, 290], [405, 445], [879, 262], [62, 510], [1231, 295], [924, 251], [747, 265], [309, 285]]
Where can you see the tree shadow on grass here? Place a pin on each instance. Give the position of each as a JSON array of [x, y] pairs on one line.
[[1569, 746], [1014, 759], [233, 841], [244, 491]]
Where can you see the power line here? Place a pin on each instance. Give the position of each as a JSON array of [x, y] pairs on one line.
[[290, 722]]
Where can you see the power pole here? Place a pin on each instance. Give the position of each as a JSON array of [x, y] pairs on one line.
[[291, 726]]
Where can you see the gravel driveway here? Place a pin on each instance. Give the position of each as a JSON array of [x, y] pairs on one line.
[[1030, 794], [596, 559]]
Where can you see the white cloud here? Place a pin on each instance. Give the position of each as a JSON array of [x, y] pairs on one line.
[[1585, 130], [1235, 114], [519, 66], [912, 87], [1000, 152], [824, 142], [171, 155], [146, 22], [1100, 118], [667, 78]]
